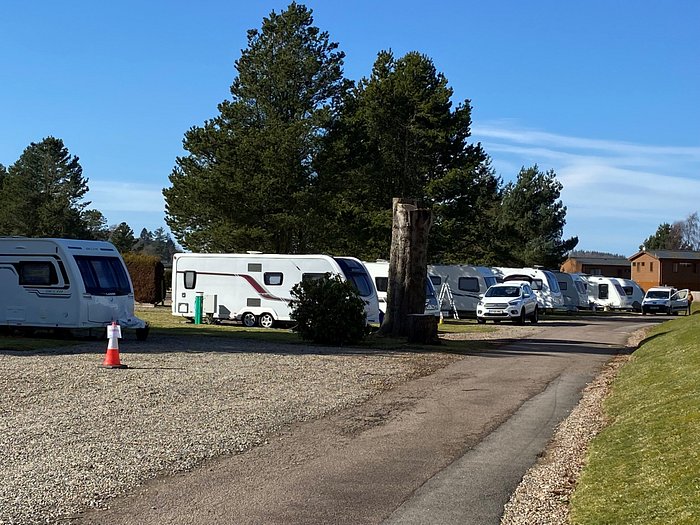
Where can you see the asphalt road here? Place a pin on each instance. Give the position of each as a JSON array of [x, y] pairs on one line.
[[447, 448]]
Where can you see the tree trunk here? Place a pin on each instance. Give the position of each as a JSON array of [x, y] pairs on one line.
[[407, 269]]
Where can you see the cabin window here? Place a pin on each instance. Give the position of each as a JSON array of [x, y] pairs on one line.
[[382, 283], [675, 267], [436, 280], [273, 278], [37, 273], [190, 278], [103, 275], [468, 284], [603, 291], [651, 266]]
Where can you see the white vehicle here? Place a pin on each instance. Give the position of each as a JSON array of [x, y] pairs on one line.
[[466, 283], [255, 288], [65, 284], [633, 291], [542, 282], [573, 291], [380, 274], [607, 293], [665, 300], [513, 300]]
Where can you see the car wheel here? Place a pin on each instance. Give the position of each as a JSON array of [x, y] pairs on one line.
[[535, 317], [142, 333], [480, 320], [521, 318], [248, 319], [266, 320]]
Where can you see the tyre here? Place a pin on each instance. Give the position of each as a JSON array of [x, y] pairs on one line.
[[249, 320], [266, 320], [521, 318], [480, 320], [142, 333], [535, 317]]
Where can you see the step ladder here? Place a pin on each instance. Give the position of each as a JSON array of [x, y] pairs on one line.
[[446, 294]]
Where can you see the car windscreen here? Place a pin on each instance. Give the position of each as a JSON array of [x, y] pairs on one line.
[[658, 294], [103, 275], [503, 291]]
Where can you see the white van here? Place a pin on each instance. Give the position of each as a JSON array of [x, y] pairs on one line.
[[665, 300], [65, 284], [379, 271], [607, 293], [255, 288], [467, 284], [542, 282]]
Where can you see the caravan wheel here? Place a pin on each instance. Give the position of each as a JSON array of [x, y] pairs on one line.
[[266, 320], [248, 319]]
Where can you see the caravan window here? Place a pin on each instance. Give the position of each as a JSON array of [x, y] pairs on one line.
[[103, 275], [356, 273], [436, 280], [382, 283], [37, 273], [313, 276], [562, 285], [468, 284], [273, 278], [602, 291], [190, 279], [490, 281]]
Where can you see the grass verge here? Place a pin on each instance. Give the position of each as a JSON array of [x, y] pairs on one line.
[[644, 468]]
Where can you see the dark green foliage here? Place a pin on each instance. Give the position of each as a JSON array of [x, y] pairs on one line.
[[248, 181], [148, 277], [122, 236], [681, 235], [42, 193], [328, 311], [95, 225], [158, 243], [398, 136], [532, 219]]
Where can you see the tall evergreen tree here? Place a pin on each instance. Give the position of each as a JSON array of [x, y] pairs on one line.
[[399, 136], [248, 181], [43, 191], [122, 237], [95, 225], [667, 237], [532, 219]]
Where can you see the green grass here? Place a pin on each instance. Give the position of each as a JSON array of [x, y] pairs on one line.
[[644, 468]]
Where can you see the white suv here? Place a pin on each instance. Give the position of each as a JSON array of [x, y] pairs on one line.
[[512, 300], [665, 300]]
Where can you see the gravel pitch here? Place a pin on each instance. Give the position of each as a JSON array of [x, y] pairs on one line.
[[73, 435]]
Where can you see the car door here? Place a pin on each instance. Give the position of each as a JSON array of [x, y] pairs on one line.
[[529, 300], [679, 300]]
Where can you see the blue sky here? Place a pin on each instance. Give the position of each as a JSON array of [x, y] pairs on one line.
[[605, 93]]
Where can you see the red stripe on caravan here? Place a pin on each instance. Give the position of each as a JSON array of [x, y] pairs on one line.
[[259, 288]]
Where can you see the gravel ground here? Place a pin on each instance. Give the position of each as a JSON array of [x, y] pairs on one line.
[[542, 498], [73, 435]]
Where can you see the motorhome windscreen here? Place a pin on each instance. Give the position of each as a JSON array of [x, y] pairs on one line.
[[356, 273], [103, 275]]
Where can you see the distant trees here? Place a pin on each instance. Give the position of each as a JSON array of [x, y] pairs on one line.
[[42, 194], [681, 235]]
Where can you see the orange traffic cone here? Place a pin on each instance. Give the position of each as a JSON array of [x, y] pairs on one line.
[[112, 357]]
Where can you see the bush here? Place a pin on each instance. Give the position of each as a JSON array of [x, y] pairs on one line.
[[328, 311], [146, 273]]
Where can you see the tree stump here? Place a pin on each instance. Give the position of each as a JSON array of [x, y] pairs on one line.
[[423, 329]]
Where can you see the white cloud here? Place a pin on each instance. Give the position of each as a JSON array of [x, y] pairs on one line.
[[110, 196], [616, 193]]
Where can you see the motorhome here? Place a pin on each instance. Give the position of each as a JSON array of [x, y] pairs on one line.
[[573, 290], [633, 291], [379, 271], [466, 284], [543, 283], [255, 288], [65, 284], [607, 293]]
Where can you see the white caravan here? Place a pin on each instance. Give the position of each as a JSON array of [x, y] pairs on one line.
[[607, 293], [380, 274], [542, 282], [255, 288], [467, 283], [573, 289], [65, 284], [633, 291]]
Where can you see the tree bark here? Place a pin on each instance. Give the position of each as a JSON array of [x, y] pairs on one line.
[[407, 268]]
